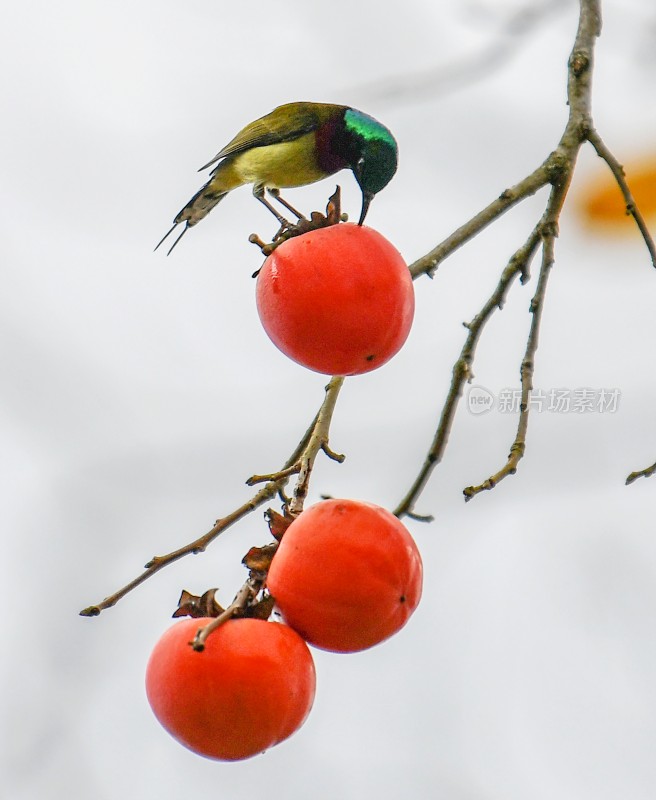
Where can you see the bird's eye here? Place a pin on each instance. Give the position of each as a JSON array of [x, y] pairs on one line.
[[359, 165]]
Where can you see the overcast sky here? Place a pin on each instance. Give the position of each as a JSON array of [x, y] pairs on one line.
[[138, 392]]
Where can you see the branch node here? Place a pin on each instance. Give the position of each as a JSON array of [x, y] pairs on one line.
[[420, 517], [273, 476], [641, 473], [339, 457], [618, 173], [579, 62]]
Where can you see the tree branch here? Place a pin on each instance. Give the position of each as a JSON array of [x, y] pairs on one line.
[[527, 187], [302, 458], [245, 595], [318, 441], [641, 473], [556, 170], [518, 448], [462, 372], [618, 173]]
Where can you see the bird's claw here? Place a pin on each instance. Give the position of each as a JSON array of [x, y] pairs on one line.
[[333, 216]]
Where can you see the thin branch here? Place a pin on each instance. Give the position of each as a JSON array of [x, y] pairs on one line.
[[273, 476], [304, 454], [579, 126], [332, 455], [245, 595], [318, 441], [462, 370], [548, 230], [542, 176], [631, 206], [576, 131], [518, 447], [641, 473], [556, 170]]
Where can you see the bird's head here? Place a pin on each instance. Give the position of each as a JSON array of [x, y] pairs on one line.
[[374, 155]]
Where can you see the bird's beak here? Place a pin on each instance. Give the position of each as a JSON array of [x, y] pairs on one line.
[[367, 197]]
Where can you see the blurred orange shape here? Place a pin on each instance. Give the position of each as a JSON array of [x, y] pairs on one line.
[[602, 205]]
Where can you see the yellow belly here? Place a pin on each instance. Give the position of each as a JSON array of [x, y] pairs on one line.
[[275, 165]]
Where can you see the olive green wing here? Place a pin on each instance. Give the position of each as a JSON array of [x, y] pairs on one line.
[[283, 124]]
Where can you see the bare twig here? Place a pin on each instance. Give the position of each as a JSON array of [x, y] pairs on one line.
[[274, 476], [315, 438], [539, 178], [461, 374], [318, 441], [556, 170], [576, 132], [518, 447], [618, 173], [244, 597], [641, 473]]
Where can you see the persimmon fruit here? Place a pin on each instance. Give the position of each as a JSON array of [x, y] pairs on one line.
[[338, 300], [346, 576], [250, 688]]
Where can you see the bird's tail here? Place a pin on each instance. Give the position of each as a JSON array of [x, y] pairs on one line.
[[200, 204], [196, 209]]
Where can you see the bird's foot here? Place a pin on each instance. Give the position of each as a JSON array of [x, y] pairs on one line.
[[288, 230], [275, 193]]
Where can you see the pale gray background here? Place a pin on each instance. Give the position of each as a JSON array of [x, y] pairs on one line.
[[138, 392]]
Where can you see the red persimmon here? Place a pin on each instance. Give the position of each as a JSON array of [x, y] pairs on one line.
[[346, 576], [338, 300], [250, 688]]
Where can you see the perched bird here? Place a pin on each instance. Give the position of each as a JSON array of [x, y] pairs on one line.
[[296, 144]]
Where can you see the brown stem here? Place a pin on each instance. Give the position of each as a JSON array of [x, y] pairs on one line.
[[318, 441], [577, 130], [245, 595], [273, 476], [641, 473], [462, 372], [631, 206], [306, 451], [518, 447], [556, 170], [540, 177]]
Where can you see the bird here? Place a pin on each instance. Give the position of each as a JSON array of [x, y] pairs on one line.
[[294, 145]]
